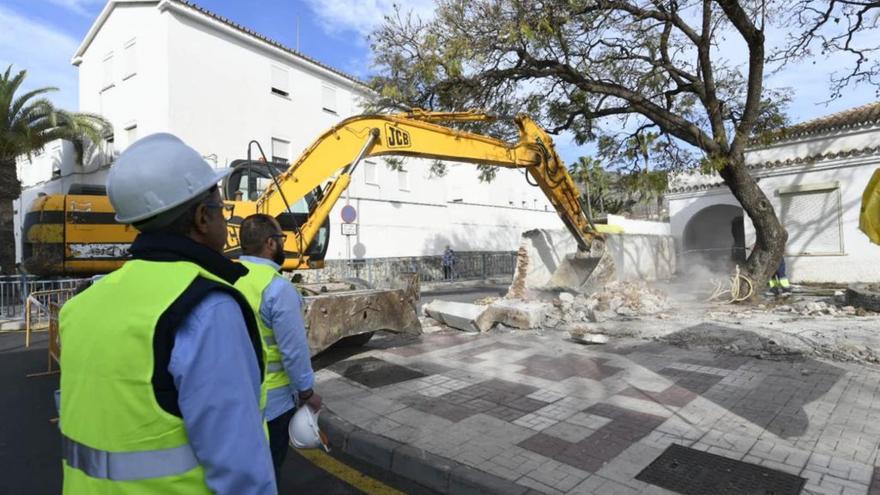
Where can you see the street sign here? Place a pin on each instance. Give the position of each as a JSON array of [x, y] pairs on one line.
[[349, 214], [349, 229]]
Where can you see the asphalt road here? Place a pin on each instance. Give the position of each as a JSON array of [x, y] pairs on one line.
[[29, 442]]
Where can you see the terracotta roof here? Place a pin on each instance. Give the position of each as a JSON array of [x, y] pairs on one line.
[[268, 40], [862, 116]]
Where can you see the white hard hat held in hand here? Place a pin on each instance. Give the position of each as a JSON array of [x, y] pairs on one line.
[[303, 430], [156, 174]]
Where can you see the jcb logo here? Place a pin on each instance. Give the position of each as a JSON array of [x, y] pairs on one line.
[[396, 138]]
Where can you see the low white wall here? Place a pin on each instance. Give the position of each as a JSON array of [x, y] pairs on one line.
[[631, 226]]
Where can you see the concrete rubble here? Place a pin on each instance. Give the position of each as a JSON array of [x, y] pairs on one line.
[[816, 322], [461, 316]]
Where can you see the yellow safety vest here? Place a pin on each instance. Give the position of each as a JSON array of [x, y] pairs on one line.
[[116, 437]]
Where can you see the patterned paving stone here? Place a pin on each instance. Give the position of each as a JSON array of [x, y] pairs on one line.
[[431, 343], [674, 396], [566, 366]]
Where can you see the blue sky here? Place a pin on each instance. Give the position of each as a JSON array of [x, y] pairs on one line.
[[42, 35]]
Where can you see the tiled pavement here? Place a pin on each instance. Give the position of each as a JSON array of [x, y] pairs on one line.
[[559, 417]]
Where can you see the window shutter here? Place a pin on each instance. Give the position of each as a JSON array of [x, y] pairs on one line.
[[812, 219]]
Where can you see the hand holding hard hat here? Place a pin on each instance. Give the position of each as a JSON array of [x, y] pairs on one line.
[[304, 432]]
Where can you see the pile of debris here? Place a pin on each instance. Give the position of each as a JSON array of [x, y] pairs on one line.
[[617, 299], [818, 308], [562, 310]]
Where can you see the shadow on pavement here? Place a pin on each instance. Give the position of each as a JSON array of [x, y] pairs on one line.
[[771, 392]]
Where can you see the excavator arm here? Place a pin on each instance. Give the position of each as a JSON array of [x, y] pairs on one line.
[[337, 153]]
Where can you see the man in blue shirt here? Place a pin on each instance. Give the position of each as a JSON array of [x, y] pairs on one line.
[[280, 309], [183, 366]]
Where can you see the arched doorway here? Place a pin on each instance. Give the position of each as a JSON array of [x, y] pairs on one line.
[[715, 237]]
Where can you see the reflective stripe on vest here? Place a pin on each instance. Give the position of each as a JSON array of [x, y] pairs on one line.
[[128, 466], [274, 367], [270, 340]]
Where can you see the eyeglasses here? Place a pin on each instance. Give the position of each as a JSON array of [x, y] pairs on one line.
[[283, 237], [225, 207]]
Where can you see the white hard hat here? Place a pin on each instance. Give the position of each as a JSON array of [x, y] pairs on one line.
[[156, 174], [303, 430]]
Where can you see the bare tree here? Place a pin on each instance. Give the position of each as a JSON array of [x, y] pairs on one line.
[[849, 28], [646, 66]]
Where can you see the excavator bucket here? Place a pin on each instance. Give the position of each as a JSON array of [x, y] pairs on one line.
[[550, 261], [340, 312], [581, 271]]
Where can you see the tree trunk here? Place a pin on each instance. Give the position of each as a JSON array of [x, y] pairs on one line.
[[770, 236], [10, 190]]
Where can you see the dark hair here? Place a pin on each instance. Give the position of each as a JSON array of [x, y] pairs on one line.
[[177, 220], [254, 230]]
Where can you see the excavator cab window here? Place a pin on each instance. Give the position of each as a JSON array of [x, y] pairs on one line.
[[250, 178]]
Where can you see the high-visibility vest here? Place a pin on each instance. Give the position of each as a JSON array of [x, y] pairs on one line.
[[252, 286], [116, 437]]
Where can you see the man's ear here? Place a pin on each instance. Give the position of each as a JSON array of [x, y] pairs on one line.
[[201, 219]]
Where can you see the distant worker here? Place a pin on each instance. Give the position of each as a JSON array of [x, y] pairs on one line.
[[278, 305], [162, 358], [779, 284], [448, 262]]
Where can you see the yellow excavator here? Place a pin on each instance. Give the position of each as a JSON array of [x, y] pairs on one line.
[[75, 234]]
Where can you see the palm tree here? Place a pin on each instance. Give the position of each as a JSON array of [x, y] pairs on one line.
[[27, 123]]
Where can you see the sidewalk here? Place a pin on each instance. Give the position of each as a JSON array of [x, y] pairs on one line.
[[528, 412]]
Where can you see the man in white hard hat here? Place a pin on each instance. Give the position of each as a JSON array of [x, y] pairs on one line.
[[289, 376], [162, 358]]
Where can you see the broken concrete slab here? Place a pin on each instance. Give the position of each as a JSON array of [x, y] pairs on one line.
[[513, 313], [461, 316]]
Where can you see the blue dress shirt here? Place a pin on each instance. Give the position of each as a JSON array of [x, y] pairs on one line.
[[281, 310], [218, 385]]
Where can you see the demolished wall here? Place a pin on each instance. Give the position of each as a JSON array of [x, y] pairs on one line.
[[636, 256]]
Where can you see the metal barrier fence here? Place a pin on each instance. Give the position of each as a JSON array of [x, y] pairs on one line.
[[468, 266], [14, 292], [41, 309]]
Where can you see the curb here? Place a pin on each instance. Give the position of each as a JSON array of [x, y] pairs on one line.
[[418, 465]]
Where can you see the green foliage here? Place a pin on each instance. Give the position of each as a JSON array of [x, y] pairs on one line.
[[595, 69], [28, 121]]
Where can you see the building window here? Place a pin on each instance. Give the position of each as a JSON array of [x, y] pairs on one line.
[[328, 98], [280, 151], [403, 180], [280, 82], [130, 59], [371, 173], [108, 70], [811, 213], [131, 133]]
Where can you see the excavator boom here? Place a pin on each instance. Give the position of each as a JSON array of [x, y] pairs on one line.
[[418, 134]]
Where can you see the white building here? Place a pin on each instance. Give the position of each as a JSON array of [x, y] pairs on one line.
[[169, 65], [814, 174]]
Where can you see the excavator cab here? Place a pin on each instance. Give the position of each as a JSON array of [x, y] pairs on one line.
[[249, 178]]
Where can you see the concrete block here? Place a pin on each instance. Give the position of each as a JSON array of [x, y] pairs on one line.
[[513, 313], [464, 480], [458, 315], [430, 470], [371, 448]]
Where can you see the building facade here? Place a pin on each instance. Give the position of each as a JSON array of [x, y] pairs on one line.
[[171, 66], [814, 174]]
